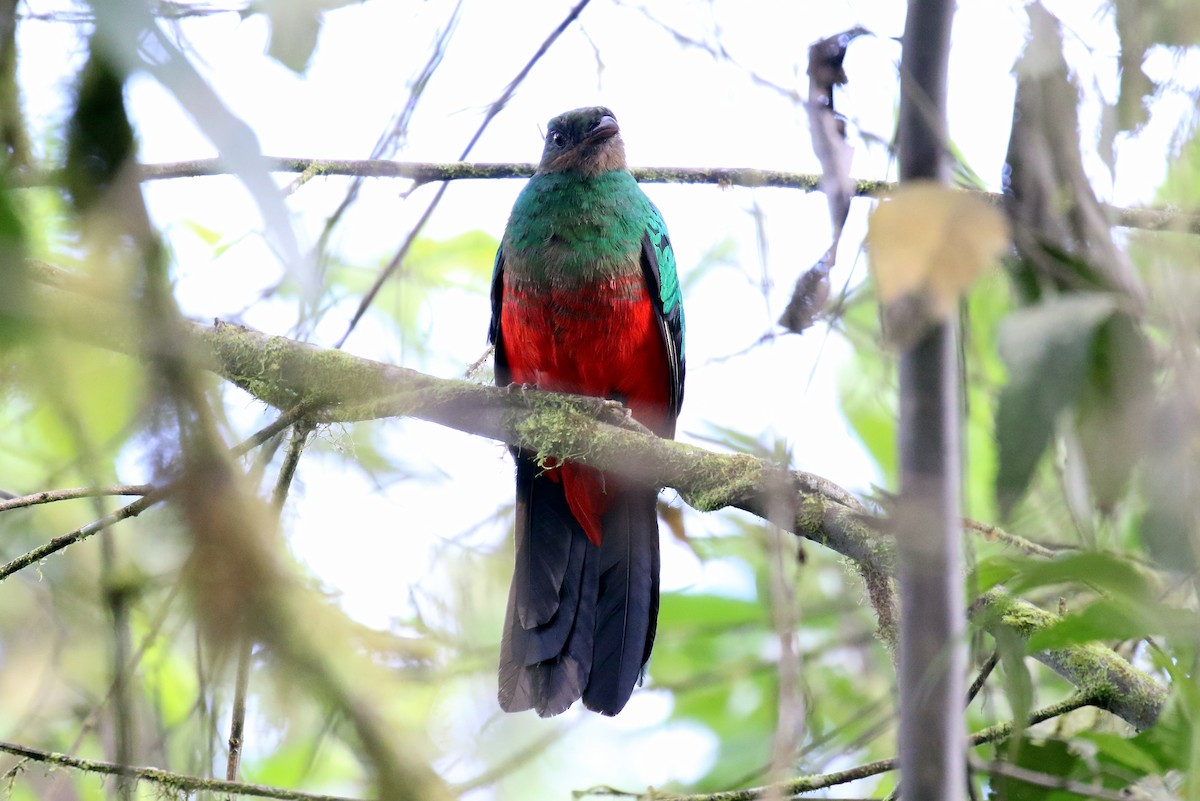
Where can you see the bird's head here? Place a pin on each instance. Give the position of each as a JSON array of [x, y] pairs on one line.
[[585, 140]]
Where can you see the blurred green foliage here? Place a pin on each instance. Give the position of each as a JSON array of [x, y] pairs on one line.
[[1080, 414]]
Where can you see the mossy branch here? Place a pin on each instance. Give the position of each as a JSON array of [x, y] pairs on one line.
[[341, 387]]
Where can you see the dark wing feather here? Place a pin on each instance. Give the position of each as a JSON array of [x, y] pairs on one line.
[[503, 376], [668, 309]]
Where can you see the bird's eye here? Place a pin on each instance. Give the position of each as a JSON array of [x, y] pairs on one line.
[[557, 139]]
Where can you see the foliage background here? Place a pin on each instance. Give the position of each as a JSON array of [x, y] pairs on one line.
[[404, 525]]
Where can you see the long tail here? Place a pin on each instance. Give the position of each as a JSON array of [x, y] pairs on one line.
[[581, 619]]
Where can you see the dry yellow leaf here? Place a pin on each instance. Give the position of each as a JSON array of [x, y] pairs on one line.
[[927, 243]]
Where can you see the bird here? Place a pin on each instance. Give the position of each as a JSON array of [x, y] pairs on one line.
[[585, 299]]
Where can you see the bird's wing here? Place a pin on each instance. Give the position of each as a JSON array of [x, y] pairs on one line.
[[658, 265], [503, 375]]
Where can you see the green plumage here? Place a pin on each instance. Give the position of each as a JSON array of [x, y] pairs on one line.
[[585, 299], [567, 229]]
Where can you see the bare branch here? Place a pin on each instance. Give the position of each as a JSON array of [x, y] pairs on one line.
[[1149, 219], [52, 496], [95, 527], [163, 778]]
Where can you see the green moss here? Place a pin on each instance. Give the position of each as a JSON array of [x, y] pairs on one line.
[[714, 483]]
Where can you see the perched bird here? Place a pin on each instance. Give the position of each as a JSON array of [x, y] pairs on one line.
[[586, 300]]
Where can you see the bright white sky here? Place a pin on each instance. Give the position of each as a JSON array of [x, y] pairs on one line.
[[676, 107]]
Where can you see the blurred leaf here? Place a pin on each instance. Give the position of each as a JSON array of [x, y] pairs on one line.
[[16, 314], [867, 400], [992, 571], [1170, 742], [1113, 619], [705, 610], [462, 262], [1115, 407], [1049, 200], [1018, 683], [172, 684], [295, 28], [741, 709], [1124, 751], [1049, 757], [206, 235], [129, 34], [1182, 181], [1046, 350], [723, 254], [81, 399], [1169, 483], [1107, 572], [927, 245]]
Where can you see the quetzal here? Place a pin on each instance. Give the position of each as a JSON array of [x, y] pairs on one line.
[[586, 300]]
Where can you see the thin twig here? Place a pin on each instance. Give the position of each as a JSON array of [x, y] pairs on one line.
[[164, 778], [237, 724], [996, 533], [397, 129], [150, 498], [58, 543], [492, 111], [52, 496], [984, 672]]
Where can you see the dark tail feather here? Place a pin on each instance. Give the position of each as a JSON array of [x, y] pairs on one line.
[[543, 553], [560, 682], [627, 608], [545, 658], [598, 607]]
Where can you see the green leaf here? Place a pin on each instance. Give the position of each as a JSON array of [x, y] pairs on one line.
[[706, 610], [1018, 683], [1168, 482], [16, 317], [1115, 407], [1126, 751], [1115, 619], [1104, 620], [1052, 758], [1046, 349], [1102, 571], [295, 28], [991, 571]]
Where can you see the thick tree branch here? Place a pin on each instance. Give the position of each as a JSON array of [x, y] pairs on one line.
[[1150, 219], [286, 374]]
